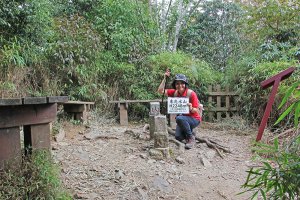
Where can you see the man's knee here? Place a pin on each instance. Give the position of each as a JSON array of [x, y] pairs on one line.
[[179, 119]]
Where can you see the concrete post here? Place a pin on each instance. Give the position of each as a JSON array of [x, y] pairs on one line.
[[154, 111], [161, 141]]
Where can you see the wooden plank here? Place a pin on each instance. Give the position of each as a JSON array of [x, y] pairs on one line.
[[12, 116], [222, 109], [278, 77], [10, 102], [227, 102], [74, 108], [210, 114], [79, 102], [57, 99], [138, 101], [10, 145], [218, 102], [219, 93], [235, 103], [34, 100]]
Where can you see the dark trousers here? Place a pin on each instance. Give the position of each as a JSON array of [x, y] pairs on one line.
[[185, 126]]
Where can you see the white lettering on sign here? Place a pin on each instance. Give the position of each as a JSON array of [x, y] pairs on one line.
[[178, 105]]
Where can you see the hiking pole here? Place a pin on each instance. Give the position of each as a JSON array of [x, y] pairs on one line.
[[162, 98]]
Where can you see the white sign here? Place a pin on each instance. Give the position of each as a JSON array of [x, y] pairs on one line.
[[178, 105]]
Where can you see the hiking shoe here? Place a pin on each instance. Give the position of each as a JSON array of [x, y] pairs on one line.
[[180, 139], [190, 142]]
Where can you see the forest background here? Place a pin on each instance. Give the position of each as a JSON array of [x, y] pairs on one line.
[[102, 50]]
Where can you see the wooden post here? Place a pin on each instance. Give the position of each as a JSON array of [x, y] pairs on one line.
[[38, 140], [77, 110], [37, 137], [227, 102], [82, 116], [10, 145], [218, 102], [210, 113], [123, 113]]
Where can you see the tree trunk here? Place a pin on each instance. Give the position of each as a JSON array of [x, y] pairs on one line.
[[180, 12]]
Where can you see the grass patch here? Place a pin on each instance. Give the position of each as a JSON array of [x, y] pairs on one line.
[[35, 177]]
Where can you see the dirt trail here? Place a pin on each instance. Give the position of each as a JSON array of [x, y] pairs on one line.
[[108, 161]]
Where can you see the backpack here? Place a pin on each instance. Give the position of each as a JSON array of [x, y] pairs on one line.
[[188, 95]]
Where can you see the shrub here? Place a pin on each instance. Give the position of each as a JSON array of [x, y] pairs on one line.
[[37, 177], [278, 177], [252, 97]]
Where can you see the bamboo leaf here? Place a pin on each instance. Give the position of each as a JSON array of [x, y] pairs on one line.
[[276, 144], [297, 114], [267, 165], [285, 113], [254, 195], [263, 194], [287, 95], [249, 174]]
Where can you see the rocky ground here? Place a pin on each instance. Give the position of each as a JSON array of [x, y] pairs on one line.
[[109, 161]]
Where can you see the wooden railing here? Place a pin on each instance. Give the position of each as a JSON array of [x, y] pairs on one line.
[[223, 104]]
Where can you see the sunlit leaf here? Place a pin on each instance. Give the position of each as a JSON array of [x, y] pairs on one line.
[[285, 113], [286, 96], [297, 114]]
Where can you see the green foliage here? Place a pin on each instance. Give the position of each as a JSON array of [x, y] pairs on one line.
[[293, 93], [12, 18], [114, 75], [111, 49], [212, 34], [278, 177], [253, 98], [199, 73], [270, 45], [26, 29], [274, 51], [36, 178], [14, 57], [267, 56], [40, 21], [278, 20], [72, 57], [126, 29]]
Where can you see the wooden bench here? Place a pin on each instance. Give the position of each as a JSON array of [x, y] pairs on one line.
[[79, 109], [34, 115], [123, 107]]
